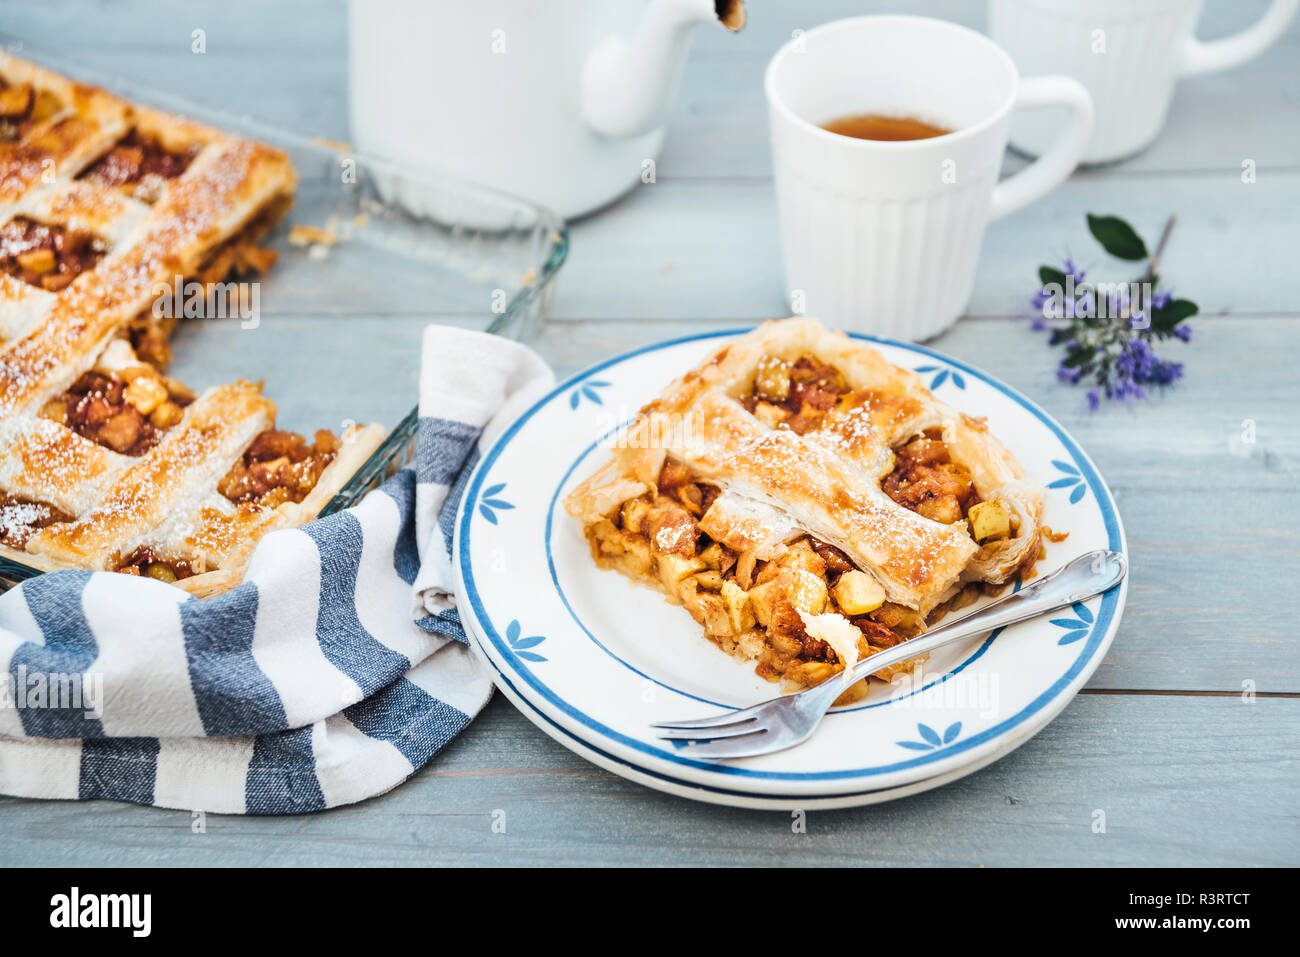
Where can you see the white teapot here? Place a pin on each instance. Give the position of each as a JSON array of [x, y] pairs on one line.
[[561, 101]]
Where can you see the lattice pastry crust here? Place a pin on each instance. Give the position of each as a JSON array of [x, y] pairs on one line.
[[133, 467], [809, 502]]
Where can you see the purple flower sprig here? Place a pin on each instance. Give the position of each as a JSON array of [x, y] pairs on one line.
[[1108, 329]]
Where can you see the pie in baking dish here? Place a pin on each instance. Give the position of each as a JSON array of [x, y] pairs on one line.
[[809, 503], [106, 462]]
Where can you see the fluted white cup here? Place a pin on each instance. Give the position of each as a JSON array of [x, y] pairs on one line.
[[1128, 53], [883, 237]]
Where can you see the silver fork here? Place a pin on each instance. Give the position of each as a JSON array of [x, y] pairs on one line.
[[791, 719]]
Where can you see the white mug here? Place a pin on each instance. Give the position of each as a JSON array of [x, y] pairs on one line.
[[883, 237], [1128, 53]]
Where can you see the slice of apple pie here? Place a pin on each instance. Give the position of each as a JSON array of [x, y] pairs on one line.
[[809, 503]]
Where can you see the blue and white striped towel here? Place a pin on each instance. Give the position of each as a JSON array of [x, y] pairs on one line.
[[334, 672]]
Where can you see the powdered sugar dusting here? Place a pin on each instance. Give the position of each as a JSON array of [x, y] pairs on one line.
[[105, 499]]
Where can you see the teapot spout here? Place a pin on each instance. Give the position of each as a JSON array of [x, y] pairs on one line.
[[628, 83]]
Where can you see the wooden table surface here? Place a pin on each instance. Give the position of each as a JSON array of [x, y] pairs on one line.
[[1187, 768]]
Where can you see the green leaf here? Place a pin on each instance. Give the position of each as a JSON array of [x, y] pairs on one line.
[[1049, 274], [1060, 335], [1174, 312], [1117, 237], [1079, 357]]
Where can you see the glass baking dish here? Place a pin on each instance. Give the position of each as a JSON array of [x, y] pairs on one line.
[[336, 334]]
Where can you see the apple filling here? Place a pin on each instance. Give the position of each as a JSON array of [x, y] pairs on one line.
[[805, 612], [22, 108], [750, 608], [149, 563], [805, 394], [141, 165], [22, 518], [279, 467], [150, 338], [45, 255], [126, 411]]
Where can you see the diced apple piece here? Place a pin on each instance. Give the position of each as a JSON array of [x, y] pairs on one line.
[[37, 260], [145, 394], [634, 515], [716, 620], [858, 593], [628, 553], [787, 646], [989, 521], [812, 673], [709, 579], [770, 415], [712, 556], [807, 592], [944, 509], [802, 555], [762, 599], [673, 568], [772, 379], [738, 607]]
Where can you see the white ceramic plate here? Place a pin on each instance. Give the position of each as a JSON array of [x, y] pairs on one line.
[[592, 658]]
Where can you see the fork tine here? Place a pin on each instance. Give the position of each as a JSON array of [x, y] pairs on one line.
[[760, 742], [717, 720], [748, 726]]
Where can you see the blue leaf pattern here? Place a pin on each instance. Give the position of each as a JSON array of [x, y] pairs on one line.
[[492, 503], [930, 738], [1072, 480], [942, 375], [587, 390], [520, 645], [1076, 628]]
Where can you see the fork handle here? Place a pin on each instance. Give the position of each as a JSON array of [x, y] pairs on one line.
[[1090, 574]]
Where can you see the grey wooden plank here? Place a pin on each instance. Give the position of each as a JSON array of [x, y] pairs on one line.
[[1205, 514], [1180, 781], [711, 249]]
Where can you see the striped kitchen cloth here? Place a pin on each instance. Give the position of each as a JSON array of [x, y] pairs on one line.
[[331, 674]]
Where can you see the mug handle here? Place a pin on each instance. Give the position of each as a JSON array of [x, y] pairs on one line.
[[1199, 57], [1059, 160]]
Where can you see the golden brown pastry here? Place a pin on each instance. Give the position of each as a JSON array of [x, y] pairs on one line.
[[808, 502]]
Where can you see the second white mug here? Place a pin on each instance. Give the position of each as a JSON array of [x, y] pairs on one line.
[[1128, 53], [883, 237]]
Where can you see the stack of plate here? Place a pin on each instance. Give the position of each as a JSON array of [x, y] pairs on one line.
[[593, 659]]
